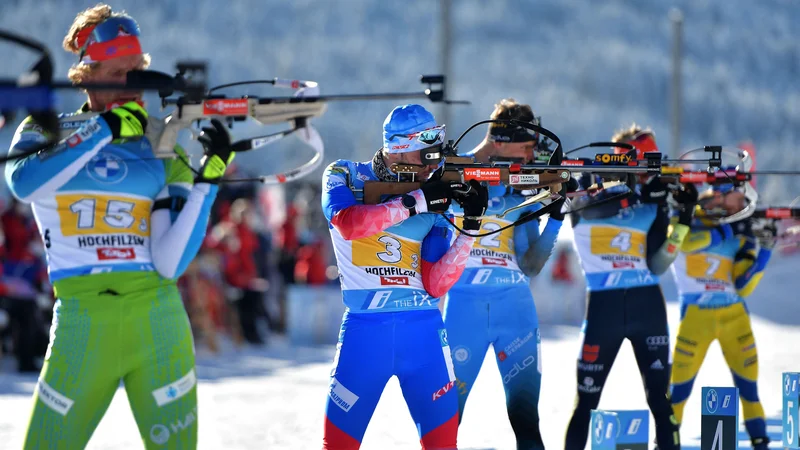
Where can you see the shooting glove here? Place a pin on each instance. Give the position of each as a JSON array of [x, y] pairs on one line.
[[556, 213], [218, 153], [766, 234], [686, 198], [570, 186], [126, 121], [655, 191], [438, 194], [474, 202]]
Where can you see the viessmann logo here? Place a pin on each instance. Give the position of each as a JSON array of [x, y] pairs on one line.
[[226, 106], [105, 253], [394, 281], [482, 174]]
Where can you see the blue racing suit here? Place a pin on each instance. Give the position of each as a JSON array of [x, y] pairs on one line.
[[492, 304], [393, 267]]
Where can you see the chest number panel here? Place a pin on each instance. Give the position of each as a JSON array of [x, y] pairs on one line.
[[386, 249], [613, 241], [82, 214], [703, 265]]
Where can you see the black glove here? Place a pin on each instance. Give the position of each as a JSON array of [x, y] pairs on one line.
[[766, 234], [438, 194], [572, 185], [218, 153], [556, 213], [655, 191], [686, 198], [126, 121], [474, 202]]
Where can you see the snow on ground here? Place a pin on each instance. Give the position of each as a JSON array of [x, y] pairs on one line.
[[273, 398]]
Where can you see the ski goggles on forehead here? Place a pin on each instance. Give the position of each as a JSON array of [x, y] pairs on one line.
[[112, 38], [506, 132], [428, 142]]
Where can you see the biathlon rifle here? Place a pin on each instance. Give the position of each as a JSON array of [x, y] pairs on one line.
[[34, 91]]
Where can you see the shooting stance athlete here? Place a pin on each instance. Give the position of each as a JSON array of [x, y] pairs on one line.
[[492, 301], [119, 227], [720, 264], [624, 243], [395, 260]]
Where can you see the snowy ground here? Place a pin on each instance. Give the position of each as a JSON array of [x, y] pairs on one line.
[[273, 398]]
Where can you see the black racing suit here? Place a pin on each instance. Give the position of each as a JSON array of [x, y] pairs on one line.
[[622, 245]]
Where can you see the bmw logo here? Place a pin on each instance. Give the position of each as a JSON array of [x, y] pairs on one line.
[[625, 214], [107, 168], [712, 401]]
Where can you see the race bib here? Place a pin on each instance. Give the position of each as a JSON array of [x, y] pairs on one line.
[[614, 241], [80, 214]]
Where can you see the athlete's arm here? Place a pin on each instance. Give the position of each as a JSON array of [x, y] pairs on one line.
[[38, 176], [179, 218], [664, 239], [354, 221], [700, 239], [749, 265], [535, 256], [442, 263]]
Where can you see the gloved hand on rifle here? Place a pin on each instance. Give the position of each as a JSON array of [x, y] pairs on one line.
[[218, 153], [766, 233], [126, 121], [474, 200], [439, 195], [570, 186], [655, 191], [686, 198]]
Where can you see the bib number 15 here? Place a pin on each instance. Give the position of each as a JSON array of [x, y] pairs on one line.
[[118, 213], [102, 214]]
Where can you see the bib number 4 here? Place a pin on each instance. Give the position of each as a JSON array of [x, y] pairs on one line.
[[622, 241]]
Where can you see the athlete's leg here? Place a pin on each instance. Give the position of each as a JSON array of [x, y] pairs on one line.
[[648, 332], [739, 348], [603, 333], [361, 368], [696, 331], [466, 318], [160, 375], [425, 372], [80, 374], [513, 323]]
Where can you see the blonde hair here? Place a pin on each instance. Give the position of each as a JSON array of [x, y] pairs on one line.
[[88, 18], [508, 108], [629, 134]]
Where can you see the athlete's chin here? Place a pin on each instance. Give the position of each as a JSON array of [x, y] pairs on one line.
[[122, 98]]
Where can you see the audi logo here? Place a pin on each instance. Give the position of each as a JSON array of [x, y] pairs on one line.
[[657, 340]]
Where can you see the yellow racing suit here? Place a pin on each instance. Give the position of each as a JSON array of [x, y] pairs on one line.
[[718, 266]]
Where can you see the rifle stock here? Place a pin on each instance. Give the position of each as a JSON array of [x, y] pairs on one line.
[[163, 133], [464, 168]]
